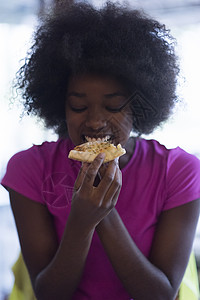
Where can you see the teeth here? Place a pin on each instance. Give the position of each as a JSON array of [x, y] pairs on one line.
[[104, 139]]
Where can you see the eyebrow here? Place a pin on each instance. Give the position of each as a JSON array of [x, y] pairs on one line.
[[111, 95], [116, 94], [76, 94]]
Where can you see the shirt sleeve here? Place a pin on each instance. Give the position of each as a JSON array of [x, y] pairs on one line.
[[24, 174], [182, 178]]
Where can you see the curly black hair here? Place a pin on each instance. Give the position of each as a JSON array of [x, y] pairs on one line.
[[115, 40]]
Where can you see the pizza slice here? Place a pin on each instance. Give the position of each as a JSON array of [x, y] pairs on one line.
[[88, 151]]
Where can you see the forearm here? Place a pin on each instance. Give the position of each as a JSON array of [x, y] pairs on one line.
[[61, 277], [89, 206], [140, 278]]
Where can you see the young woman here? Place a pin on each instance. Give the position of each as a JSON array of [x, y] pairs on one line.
[[123, 230]]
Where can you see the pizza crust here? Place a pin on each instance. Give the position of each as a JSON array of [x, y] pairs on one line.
[[88, 151]]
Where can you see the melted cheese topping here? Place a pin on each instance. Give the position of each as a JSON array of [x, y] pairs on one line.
[[88, 151]]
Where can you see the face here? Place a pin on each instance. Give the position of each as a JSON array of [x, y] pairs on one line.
[[93, 110]]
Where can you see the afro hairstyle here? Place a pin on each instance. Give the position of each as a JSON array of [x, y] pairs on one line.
[[115, 40]]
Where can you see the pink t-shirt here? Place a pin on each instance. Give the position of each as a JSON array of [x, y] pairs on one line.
[[155, 179]]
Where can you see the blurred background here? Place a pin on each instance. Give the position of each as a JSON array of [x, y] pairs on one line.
[[18, 19]]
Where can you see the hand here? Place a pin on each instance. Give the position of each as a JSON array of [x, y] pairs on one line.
[[90, 204]]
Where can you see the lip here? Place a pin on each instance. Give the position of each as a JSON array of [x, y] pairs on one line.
[[96, 136]]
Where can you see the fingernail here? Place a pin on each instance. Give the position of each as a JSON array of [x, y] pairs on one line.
[[117, 160], [101, 155]]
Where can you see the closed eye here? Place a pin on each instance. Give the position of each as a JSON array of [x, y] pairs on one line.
[[77, 109], [113, 109], [115, 101]]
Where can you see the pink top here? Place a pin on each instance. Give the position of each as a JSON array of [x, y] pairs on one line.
[[155, 179]]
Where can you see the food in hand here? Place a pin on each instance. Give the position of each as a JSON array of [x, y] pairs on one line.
[[88, 151]]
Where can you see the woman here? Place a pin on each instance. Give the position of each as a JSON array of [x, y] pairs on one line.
[[122, 230]]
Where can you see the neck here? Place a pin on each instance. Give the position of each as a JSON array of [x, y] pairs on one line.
[[130, 148]]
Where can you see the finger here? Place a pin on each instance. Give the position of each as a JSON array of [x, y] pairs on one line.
[[92, 171], [115, 197], [109, 179], [102, 170], [81, 176], [112, 194], [104, 167]]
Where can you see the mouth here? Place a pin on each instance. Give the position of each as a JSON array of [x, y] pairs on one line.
[[106, 138]]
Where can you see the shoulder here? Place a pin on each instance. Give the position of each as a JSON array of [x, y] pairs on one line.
[[40, 153], [27, 170], [179, 159], [150, 155], [174, 157], [149, 148], [182, 178], [178, 170], [183, 170]]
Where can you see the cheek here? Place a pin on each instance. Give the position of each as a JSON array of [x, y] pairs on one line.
[[71, 117], [126, 122], [73, 130], [72, 122]]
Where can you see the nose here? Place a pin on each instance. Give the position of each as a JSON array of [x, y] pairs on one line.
[[96, 120]]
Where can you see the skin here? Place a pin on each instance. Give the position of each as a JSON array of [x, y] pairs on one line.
[[92, 109], [93, 208]]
